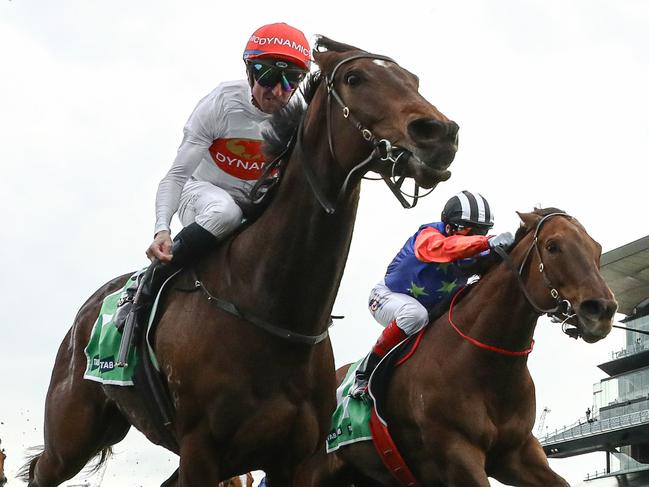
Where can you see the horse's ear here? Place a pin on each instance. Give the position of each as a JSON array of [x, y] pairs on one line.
[[326, 52], [325, 59], [530, 220]]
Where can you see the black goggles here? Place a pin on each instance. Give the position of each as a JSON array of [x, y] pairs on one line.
[[269, 73], [472, 230]]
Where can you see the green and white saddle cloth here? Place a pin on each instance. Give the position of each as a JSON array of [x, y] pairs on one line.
[[101, 351], [350, 422]]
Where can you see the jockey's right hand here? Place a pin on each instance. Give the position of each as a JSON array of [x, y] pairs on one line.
[[160, 248]]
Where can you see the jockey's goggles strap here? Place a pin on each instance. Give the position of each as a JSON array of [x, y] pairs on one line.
[[475, 230]]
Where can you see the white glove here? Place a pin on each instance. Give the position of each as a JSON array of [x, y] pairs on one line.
[[504, 240]]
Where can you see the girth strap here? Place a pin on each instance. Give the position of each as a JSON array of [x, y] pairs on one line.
[[389, 453]]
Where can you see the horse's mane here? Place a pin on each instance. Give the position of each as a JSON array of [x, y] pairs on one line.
[[284, 123]]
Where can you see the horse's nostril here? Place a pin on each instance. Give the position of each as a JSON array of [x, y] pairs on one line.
[[425, 130], [598, 308]]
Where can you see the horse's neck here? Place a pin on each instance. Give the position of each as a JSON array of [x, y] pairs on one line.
[[497, 313], [287, 266]]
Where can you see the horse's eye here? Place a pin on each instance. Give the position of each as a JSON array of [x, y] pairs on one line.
[[352, 79], [552, 247]]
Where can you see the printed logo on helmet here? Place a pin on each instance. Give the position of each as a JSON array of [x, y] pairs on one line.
[[278, 41], [281, 41]]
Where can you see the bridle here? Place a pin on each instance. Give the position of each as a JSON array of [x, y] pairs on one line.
[[563, 310], [382, 149]]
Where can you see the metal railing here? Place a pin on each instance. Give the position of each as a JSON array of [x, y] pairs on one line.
[[595, 426], [604, 473], [595, 475]]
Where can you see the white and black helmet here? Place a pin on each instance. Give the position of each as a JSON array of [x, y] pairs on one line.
[[468, 209]]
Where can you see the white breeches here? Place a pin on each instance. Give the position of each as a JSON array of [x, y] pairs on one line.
[[385, 305], [210, 206]]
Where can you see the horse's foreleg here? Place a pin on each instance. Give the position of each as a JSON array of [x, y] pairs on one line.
[[323, 470], [527, 467], [459, 464], [199, 459]]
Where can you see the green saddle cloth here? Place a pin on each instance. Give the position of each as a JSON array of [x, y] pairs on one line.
[[101, 351], [350, 422]]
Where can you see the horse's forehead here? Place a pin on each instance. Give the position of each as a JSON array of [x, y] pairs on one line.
[[571, 229], [562, 226], [382, 62]]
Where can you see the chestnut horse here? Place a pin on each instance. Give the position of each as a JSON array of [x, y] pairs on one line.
[[462, 407], [256, 391]]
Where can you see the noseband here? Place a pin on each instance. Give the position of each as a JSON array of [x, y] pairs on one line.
[[562, 312]]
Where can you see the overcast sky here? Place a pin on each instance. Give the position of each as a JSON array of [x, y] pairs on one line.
[[551, 97]]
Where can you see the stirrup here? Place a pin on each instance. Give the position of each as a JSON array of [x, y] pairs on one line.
[[359, 388]]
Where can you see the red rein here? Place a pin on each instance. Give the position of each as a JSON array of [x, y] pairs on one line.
[[491, 348]]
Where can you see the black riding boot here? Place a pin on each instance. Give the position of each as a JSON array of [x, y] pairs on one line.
[[363, 373], [191, 243]]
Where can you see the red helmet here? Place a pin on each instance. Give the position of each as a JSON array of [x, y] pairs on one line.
[[279, 41]]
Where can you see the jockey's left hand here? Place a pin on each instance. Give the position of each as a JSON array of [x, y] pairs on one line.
[[504, 240], [160, 248]]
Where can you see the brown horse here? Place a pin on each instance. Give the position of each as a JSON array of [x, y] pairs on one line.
[[3, 478], [462, 407], [250, 397]]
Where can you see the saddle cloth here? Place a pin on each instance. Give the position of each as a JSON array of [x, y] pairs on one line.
[[103, 346], [350, 421]]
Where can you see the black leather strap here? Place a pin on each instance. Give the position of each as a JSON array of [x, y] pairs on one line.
[[275, 330]]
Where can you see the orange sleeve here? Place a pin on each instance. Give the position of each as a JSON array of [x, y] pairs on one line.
[[432, 246]]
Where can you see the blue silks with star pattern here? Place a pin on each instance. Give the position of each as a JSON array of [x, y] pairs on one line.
[[430, 283]]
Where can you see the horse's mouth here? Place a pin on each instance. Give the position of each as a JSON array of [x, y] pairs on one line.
[[428, 173], [589, 337], [593, 331], [429, 177], [427, 169]]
